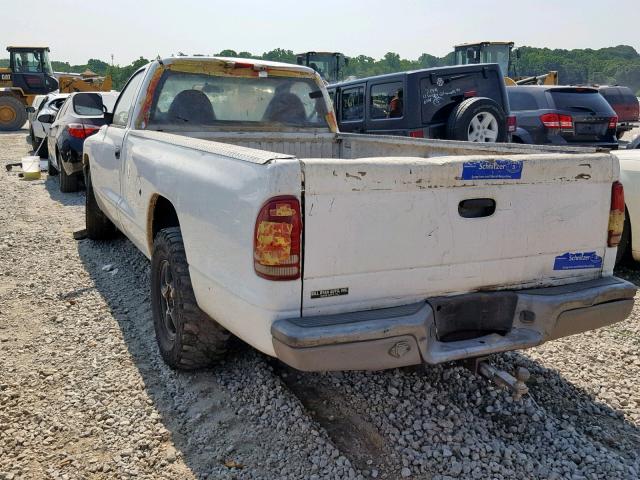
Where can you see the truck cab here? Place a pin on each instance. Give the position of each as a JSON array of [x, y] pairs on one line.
[[30, 70]]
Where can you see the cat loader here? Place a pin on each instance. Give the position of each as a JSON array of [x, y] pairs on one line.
[[30, 74]]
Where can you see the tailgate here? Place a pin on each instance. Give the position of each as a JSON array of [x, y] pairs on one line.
[[387, 231]]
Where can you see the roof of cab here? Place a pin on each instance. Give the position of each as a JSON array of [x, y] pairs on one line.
[[229, 61]]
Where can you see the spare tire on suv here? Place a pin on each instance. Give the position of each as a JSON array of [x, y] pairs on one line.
[[477, 119]]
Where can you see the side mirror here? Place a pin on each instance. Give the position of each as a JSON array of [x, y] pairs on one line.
[[31, 110], [46, 118]]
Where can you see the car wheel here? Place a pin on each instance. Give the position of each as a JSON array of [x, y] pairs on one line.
[[68, 183], [187, 337], [477, 120], [13, 115], [97, 224]]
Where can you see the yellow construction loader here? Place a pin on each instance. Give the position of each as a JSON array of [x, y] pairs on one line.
[[30, 74], [501, 53]]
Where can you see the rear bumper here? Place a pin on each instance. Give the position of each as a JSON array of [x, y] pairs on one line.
[[407, 335]]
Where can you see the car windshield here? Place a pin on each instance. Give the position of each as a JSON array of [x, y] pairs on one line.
[[584, 101], [202, 100]]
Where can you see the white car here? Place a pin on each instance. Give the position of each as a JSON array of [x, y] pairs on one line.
[[38, 130], [336, 251]]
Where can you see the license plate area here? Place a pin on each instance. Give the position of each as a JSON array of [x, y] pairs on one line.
[[591, 128], [473, 315]]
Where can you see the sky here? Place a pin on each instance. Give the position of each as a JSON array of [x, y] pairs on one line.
[[78, 30]]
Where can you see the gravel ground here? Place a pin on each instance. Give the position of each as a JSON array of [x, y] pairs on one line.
[[84, 394]]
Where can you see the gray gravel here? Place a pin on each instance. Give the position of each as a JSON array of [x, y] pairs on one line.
[[84, 394]]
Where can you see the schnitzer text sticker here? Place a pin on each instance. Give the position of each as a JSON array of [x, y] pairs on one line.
[[576, 261], [492, 170]]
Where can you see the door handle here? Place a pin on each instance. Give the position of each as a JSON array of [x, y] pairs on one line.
[[117, 152], [477, 207]]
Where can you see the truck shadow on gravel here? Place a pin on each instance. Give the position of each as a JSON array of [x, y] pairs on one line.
[[437, 414]]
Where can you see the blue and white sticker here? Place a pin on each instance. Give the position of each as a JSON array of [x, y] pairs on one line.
[[577, 261], [492, 170]]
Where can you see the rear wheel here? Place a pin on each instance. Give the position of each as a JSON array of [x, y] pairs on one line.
[[97, 224], [68, 183], [477, 120], [187, 337], [13, 115]]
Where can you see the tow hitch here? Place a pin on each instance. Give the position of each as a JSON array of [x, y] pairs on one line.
[[517, 385]]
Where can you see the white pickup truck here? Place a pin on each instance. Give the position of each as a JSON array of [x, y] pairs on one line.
[[340, 251]]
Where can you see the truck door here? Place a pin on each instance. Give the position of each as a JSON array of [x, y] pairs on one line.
[[107, 169]]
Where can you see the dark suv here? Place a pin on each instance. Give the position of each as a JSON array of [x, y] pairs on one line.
[[458, 103], [576, 116], [625, 104]]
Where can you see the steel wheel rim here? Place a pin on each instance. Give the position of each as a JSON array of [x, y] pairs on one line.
[[483, 128], [7, 114], [167, 300]]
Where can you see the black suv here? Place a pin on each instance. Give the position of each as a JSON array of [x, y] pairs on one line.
[[466, 102], [576, 116]]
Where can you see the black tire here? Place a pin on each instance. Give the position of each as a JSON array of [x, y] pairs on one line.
[[97, 224], [13, 112], [51, 169], [460, 119], [623, 255], [68, 183], [188, 339]]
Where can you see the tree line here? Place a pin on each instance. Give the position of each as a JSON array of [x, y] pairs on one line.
[[611, 65]]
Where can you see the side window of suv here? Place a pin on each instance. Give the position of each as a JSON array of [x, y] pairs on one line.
[[519, 100], [125, 100], [387, 100], [352, 106]]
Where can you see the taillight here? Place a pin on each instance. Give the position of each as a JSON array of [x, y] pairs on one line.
[[616, 215], [557, 122], [416, 133], [512, 123], [613, 123], [277, 238], [80, 130], [470, 93]]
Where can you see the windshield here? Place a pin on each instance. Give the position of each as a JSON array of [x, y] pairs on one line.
[[46, 63], [496, 54], [197, 99], [581, 101]]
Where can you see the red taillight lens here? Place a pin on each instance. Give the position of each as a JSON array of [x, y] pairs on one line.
[[613, 123], [616, 215], [79, 130], [512, 123], [470, 94], [277, 239], [558, 122], [566, 122], [416, 133]]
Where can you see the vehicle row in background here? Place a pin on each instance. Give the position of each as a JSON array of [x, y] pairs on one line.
[[30, 74], [625, 104], [456, 103]]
